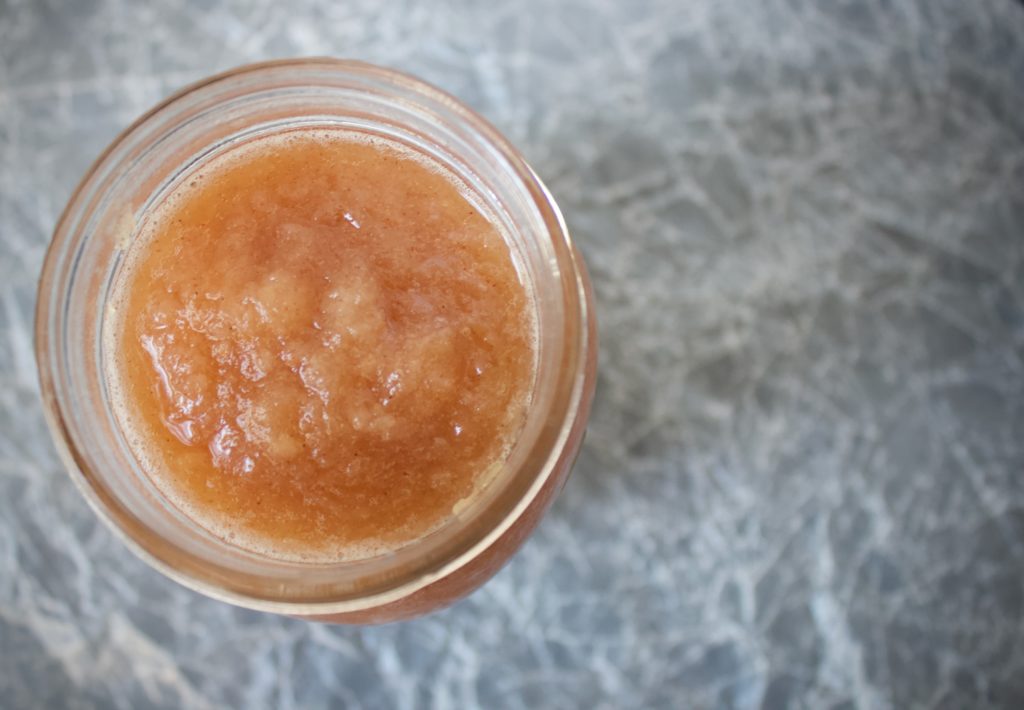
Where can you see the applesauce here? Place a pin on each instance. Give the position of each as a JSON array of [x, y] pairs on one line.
[[320, 346]]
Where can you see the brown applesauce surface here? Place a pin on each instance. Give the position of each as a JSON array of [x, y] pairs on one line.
[[319, 346]]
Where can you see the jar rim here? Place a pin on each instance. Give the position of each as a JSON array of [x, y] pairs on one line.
[[158, 552]]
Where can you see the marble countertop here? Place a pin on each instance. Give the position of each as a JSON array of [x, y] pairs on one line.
[[803, 484]]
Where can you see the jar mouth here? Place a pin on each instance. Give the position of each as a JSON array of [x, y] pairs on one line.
[[96, 227]]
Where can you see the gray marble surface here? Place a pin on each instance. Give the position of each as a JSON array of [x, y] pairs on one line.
[[803, 484]]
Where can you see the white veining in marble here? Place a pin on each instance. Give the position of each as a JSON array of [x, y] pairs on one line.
[[803, 484]]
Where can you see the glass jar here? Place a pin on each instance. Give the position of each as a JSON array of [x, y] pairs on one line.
[[99, 224]]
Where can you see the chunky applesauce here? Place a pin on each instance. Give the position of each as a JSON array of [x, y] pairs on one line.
[[320, 346]]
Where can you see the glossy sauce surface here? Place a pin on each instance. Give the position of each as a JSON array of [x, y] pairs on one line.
[[319, 346]]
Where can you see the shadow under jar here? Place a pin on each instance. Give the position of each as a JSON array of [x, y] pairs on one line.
[[106, 216]]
